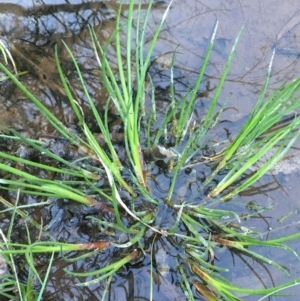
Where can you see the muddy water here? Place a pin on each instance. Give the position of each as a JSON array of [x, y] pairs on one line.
[[32, 32]]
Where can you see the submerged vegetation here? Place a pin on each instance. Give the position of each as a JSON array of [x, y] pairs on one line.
[[117, 182]]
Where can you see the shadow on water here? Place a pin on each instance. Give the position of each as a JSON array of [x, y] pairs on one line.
[[31, 33]]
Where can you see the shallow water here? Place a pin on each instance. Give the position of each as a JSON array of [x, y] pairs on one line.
[[189, 25]]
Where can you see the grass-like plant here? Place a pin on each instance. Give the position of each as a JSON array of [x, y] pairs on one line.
[[206, 226]]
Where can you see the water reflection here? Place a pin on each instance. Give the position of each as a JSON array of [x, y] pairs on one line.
[[32, 33]]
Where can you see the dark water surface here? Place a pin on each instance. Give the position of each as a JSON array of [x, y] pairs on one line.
[[32, 29]]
